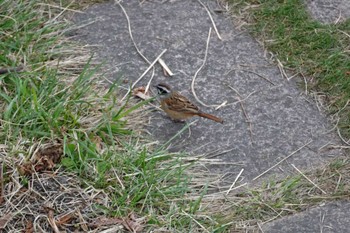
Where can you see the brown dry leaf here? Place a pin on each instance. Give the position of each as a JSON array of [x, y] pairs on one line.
[[29, 227], [98, 142], [25, 169], [140, 92], [53, 153], [106, 222], [4, 220], [133, 224], [67, 218], [45, 159]]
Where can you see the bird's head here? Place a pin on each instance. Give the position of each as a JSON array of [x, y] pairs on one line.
[[163, 89]]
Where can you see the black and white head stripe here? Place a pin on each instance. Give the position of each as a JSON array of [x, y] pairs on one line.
[[163, 88]]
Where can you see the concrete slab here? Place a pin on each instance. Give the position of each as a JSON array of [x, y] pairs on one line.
[[328, 218], [282, 118], [329, 11]]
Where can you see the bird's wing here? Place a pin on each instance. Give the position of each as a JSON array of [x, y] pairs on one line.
[[180, 103]]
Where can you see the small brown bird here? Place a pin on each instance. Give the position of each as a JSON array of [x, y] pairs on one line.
[[178, 107]]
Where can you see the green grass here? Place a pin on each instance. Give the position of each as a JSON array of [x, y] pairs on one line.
[[318, 51], [48, 104]]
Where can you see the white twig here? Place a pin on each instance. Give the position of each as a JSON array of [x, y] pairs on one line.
[[285, 158], [221, 105], [234, 182], [150, 66], [305, 82], [165, 67], [200, 68], [205, 229], [250, 71], [130, 33], [281, 68], [144, 73], [211, 18], [136, 47], [308, 179]]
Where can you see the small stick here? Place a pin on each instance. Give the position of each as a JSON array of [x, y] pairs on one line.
[[195, 75], [308, 179], [144, 73], [165, 67], [9, 70], [282, 160], [234, 182], [211, 18], [305, 82], [280, 67], [250, 71], [195, 221], [135, 45], [244, 112], [150, 66]]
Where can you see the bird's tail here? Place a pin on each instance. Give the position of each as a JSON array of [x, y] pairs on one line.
[[210, 117]]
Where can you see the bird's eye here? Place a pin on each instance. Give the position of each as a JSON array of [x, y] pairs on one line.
[[161, 90]]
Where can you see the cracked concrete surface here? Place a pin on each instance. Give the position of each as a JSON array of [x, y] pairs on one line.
[[329, 11]]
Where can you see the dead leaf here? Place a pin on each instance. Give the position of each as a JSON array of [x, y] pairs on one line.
[[45, 159], [133, 224], [103, 221], [67, 218], [98, 142], [4, 220], [140, 92], [29, 227], [53, 152]]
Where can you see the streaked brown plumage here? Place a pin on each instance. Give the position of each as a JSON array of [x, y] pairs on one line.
[[178, 107]]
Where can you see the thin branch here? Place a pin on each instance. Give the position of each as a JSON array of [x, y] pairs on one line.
[[144, 73], [244, 111], [285, 158], [308, 179], [234, 182], [211, 19], [250, 71], [136, 47], [200, 68]]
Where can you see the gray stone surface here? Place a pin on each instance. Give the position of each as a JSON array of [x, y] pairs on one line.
[[329, 11], [329, 218], [282, 118]]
